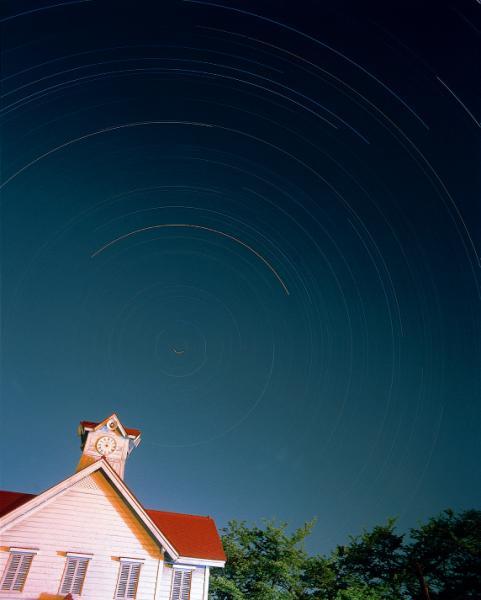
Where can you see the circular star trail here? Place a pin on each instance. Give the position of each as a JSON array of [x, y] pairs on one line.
[[252, 231]]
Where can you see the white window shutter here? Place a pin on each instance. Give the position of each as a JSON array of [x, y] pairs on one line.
[[123, 580], [133, 581], [186, 581], [181, 584], [74, 575], [128, 580], [80, 575], [17, 570]]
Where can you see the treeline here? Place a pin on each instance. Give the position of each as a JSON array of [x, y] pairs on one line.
[[440, 560]]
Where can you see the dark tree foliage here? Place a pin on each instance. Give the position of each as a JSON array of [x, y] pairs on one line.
[[445, 555], [375, 559], [440, 560]]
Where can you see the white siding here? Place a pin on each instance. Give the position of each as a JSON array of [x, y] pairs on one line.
[[89, 518]]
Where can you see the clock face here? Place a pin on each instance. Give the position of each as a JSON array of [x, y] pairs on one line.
[[106, 445]]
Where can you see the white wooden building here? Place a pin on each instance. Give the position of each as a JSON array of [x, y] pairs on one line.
[[89, 537]]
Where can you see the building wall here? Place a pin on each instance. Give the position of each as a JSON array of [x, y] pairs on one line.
[[91, 517]]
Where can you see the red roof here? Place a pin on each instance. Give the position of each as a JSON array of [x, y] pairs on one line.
[[11, 500], [92, 425], [191, 536]]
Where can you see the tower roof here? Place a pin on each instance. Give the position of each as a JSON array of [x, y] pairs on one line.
[[91, 425]]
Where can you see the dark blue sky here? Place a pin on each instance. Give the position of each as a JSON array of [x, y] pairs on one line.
[[252, 231]]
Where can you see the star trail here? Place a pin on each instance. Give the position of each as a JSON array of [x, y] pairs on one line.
[[252, 230]]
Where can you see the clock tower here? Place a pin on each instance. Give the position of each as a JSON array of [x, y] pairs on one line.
[[108, 439]]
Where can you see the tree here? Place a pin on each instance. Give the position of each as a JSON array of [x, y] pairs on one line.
[[374, 560], [440, 560], [362, 592], [321, 579], [444, 557], [264, 563]]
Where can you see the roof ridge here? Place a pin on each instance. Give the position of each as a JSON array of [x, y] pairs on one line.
[[171, 512]]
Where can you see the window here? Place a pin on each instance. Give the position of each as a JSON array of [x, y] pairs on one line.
[[181, 584], [17, 569], [128, 578], [74, 574]]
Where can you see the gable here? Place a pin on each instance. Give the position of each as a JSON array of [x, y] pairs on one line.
[[89, 515], [38, 502], [182, 536]]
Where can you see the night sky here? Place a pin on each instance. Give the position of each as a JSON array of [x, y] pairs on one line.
[[252, 230]]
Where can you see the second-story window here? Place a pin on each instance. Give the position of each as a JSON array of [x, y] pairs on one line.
[[74, 574]]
